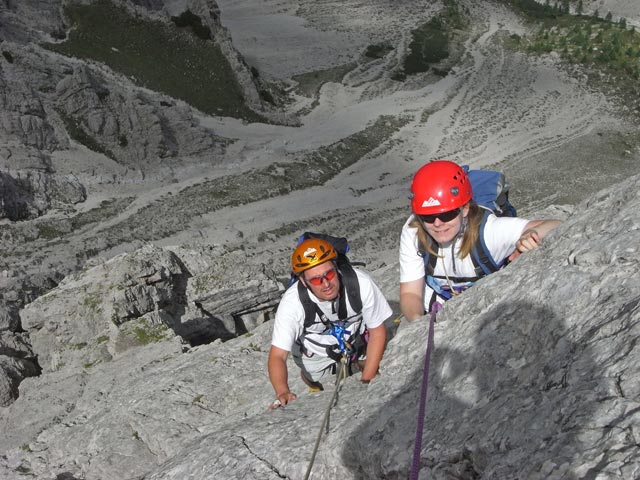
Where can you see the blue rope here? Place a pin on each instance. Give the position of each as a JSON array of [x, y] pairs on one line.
[[417, 448]]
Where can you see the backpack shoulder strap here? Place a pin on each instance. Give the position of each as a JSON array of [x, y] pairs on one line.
[[308, 305], [429, 262], [350, 286], [483, 261], [428, 259]]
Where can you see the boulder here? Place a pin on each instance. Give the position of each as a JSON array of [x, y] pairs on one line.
[[81, 322], [17, 362], [142, 297]]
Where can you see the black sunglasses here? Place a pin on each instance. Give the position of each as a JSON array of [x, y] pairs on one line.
[[444, 217]]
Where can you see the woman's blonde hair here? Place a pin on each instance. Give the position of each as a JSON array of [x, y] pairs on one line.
[[469, 237]]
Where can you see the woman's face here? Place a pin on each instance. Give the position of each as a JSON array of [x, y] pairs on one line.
[[444, 231]]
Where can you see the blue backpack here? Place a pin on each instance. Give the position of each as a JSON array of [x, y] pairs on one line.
[[490, 192]]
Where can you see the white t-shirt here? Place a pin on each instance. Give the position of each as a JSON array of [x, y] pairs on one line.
[[289, 322], [500, 236]]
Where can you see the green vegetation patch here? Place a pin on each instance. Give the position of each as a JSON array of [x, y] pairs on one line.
[[172, 58], [378, 50], [93, 301], [78, 133], [50, 229], [590, 40], [107, 209], [56, 229], [309, 83], [431, 41], [538, 10], [430, 44], [7, 56], [608, 51], [146, 333], [192, 21]]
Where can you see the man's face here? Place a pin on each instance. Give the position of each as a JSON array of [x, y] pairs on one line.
[[323, 280]]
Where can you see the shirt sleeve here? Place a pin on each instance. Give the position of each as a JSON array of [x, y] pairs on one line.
[[411, 264], [375, 308], [288, 324], [501, 235]]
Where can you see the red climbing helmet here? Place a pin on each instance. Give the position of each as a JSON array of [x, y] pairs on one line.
[[439, 186]]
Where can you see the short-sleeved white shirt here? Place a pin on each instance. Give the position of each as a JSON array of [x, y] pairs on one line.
[[500, 236], [289, 322]]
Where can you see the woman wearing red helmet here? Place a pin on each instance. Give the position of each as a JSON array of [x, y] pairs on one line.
[[438, 247]]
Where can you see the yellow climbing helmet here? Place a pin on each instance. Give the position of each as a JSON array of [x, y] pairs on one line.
[[311, 252]]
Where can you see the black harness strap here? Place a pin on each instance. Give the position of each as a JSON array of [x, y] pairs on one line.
[[349, 284]]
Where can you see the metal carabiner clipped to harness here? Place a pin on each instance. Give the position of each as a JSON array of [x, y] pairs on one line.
[[339, 332]]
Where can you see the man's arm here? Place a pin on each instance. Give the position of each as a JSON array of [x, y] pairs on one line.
[[375, 349], [411, 301], [278, 375]]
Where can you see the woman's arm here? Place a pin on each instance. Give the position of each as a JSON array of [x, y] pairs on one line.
[[532, 235], [411, 299], [375, 350]]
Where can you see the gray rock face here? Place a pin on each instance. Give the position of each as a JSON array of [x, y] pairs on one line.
[[534, 375], [36, 192], [77, 324], [50, 103], [153, 364], [143, 297], [17, 361], [27, 20], [129, 127], [8, 319]]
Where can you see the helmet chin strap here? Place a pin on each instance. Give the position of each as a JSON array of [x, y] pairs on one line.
[[460, 234], [463, 227]]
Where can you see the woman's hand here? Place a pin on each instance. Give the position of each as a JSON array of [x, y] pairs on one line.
[[532, 236], [529, 240]]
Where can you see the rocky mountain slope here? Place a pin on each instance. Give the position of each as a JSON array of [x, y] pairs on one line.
[[145, 242], [534, 376]]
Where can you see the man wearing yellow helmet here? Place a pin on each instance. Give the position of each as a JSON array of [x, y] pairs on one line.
[[338, 320]]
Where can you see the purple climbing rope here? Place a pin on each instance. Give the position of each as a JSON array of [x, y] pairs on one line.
[[417, 447]]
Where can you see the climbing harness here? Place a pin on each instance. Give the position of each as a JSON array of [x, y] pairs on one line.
[[417, 447], [314, 315], [345, 331], [338, 332], [446, 290]]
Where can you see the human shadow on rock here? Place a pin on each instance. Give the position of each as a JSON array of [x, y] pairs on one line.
[[506, 399]]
